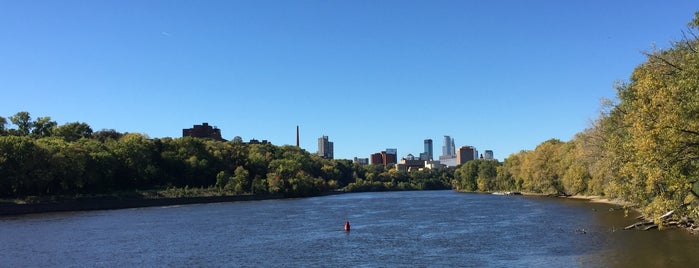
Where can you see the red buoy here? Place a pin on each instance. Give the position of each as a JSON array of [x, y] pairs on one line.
[[347, 226]]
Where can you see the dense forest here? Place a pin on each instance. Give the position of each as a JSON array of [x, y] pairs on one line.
[[40, 158], [644, 147]]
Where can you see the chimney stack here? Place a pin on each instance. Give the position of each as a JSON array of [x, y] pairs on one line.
[[297, 137]]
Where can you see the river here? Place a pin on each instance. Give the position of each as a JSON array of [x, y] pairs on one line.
[[396, 229]]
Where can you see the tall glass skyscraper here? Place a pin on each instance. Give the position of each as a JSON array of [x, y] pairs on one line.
[[449, 149], [429, 153]]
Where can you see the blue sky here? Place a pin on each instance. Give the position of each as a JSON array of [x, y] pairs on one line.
[[498, 75]]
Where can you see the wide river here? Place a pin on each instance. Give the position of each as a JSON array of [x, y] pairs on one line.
[[404, 229]]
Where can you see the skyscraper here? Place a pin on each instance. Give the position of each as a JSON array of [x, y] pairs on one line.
[[428, 150], [325, 147], [449, 149]]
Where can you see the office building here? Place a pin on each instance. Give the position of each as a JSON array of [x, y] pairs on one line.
[[427, 155], [325, 148], [383, 158], [390, 158], [376, 159], [448, 162], [361, 161], [448, 149], [392, 151], [465, 154], [488, 155]]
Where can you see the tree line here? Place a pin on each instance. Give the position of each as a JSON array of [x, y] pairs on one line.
[[40, 158]]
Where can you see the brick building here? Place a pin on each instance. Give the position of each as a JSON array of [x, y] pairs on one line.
[[203, 131]]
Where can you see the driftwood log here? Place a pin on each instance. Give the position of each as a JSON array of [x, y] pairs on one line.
[[646, 225], [667, 221]]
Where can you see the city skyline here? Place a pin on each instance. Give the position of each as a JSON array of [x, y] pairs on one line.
[[324, 145], [368, 75]]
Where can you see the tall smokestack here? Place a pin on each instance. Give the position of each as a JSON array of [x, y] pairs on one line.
[[297, 137]]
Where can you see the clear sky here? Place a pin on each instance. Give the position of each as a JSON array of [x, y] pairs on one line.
[[501, 75]]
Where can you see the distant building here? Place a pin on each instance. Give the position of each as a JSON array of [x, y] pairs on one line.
[[423, 157], [325, 147], [383, 158], [448, 157], [376, 159], [254, 141], [203, 131], [488, 155], [434, 165], [410, 165], [465, 154], [390, 157], [448, 162], [448, 149], [361, 161], [410, 157], [428, 152]]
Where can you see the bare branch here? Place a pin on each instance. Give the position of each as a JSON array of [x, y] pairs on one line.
[[688, 42], [663, 60]]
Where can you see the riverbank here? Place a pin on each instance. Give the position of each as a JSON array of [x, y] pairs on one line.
[[132, 201], [601, 199]]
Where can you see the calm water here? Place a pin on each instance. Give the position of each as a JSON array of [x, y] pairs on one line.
[[416, 229]]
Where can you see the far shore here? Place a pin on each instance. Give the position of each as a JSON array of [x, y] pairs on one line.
[[107, 203]]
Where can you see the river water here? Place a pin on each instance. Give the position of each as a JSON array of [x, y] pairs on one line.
[[396, 229]]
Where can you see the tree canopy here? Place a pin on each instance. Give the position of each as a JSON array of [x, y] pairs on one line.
[[644, 147]]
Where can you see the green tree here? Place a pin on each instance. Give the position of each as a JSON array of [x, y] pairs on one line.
[[135, 154], [240, 182], [3, 123], [43, 127], [107, 134], [74, 131], [487, 174], [24, 123], [465, 176]]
